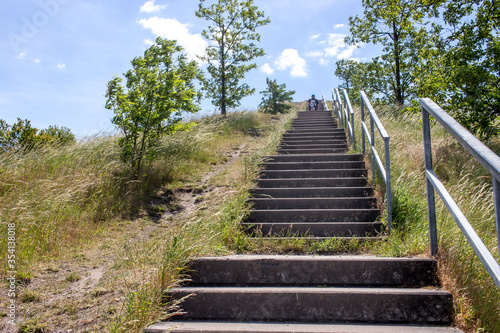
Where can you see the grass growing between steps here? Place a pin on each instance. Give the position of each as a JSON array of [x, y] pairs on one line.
[[477, 299], [96, 252]]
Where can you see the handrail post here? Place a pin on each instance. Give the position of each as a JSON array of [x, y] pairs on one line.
[[431, 202], [388, 191], [372, 133], [362, 121], [496, 196]]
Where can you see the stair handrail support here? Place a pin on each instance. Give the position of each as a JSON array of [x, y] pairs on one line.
[[325, 106], [340, 108], [375, 157], [483, 155], [350, 118]]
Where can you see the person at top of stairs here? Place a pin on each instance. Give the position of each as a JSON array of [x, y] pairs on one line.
[[312, 103]]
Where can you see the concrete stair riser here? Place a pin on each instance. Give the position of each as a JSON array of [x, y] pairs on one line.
[[313, 158], [314, 165], [312, 151], [318, 173], [313, 203], [312, 216], [312, 182], [316, 229], [305, 192], [326, 305], [272, 270]]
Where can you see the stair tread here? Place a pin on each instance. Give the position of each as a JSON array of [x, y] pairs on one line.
[[331, 290], [260, 327]]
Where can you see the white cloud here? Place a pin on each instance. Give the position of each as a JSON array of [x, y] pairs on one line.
[[314, 54], [61, 66], [347, 53], [193, 44], [338, 26], [335, 43], [290, 58], [324, 62], [315, 36], [150, 7], [36, 60], [21, 55], [266, 68], [148, 42]]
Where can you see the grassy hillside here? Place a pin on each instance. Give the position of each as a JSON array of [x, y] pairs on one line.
[[95, 251]]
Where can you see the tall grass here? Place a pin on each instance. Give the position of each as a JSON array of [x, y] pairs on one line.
[[58, 197], [477, 299], [209, 231]]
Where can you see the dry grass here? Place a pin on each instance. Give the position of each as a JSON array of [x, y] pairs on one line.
[[99, 251], [477, 300]]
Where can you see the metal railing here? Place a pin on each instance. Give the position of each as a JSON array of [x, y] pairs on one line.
[[345, 113], [325, 106], [375, 157], [486, 157]]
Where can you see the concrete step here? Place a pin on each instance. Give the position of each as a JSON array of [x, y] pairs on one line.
[[312, 192], [313, 151], [317, 229], [296, 133], [312, 182], [311, 304], [307, 141], [309, 128], [314, 165], [314, 158], [313, 215], [316, 130], [290, 327], [315, 121], [318, 173], [313, 203], [313, 270], [313, 146]]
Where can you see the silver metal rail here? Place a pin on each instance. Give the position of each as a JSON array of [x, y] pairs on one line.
[[486, 157], [375, 157], [325, 106], [345, 113]]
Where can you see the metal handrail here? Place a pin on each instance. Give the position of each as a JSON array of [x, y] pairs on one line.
[[345, 113], [375, 157], [325, 106], [486, 157]]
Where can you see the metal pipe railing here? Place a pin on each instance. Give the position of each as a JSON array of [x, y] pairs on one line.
[[345, 113], [375, 157], [325, 106], [486, 157]]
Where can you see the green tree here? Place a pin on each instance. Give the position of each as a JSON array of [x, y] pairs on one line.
[[159, 87], [393, 24], [22, 136], [232, 30], [473, 64], [275, 98], [346, 70]]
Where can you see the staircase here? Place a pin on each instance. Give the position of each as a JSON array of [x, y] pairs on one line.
[[313, 189]]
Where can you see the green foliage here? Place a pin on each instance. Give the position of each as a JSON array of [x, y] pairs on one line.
[[393, 24], [21, 136], [473, 63], [274, 98], [232, 33], [159, 87]]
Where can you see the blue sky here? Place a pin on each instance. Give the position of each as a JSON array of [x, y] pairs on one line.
[[56, 56]]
